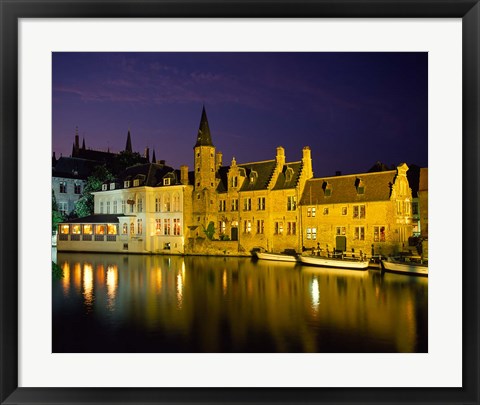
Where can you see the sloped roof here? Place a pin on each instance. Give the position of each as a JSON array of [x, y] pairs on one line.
[[73, 168], [97, 219], [204, 138], [151, 174], [343, 188], [283, 182], [262, 172]]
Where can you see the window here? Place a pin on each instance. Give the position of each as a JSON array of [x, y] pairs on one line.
[[136, 183], [126, 184], [139, 226], [157, 204], [311, 233], [140, 205], [344, 210], [132, 228], [247, 204], [158, 226], [222, 205], [291, 203], [176, 226], [234, 182], [111, 229], [278, 228], [311, 211], [176, 202], [235, 204], [325, 211], [100, 229], [166, 182], [247, 226], [341, 230], [291, 228], [124, 206], [166, 203], [125, 229], [379, 234], [63, 207], [407, 207], [131, 206], [358, 211], [314, 233], [399, 208], [108, 207], [112, 186], [101, 207], [415, 208], [261, 203], [77, 189], [288, 174], [221, 226], [76, 229], [359, 233], [115, 207], [166, 226], [87, 229], [63, 187], [65, 229], [104, 187], [260, 226]]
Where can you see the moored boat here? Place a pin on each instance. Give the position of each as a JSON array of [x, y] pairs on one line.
[[337, 262], [405, 266], [278, 257]]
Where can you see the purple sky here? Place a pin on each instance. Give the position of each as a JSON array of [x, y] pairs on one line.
[[352, 109]]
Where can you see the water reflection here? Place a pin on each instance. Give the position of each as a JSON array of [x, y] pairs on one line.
[[115, 303]]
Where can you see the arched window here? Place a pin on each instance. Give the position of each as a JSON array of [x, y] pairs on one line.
[[176, 202], [166, 202]]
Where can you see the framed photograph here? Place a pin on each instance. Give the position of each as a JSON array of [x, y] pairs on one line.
[[273, 201]]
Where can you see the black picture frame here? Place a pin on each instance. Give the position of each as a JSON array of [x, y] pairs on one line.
[[11, 11]]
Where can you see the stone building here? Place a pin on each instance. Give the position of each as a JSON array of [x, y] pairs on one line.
[[368, 212], [252, 204]]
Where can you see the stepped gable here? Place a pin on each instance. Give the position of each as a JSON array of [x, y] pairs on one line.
[[343, 188], [289, 176], [73, 168]]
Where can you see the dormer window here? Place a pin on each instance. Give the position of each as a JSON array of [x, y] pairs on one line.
[[360, 186], [253, 177], [289, 174], [136, 183], [104, 187], [234, 181], [166, 182], [327, 189], [112, 186], [328, 192], [126, 184]]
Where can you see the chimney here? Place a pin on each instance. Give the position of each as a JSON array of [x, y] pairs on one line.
[[280, 158], [147, 154], [162, 162], [307, 161], [184, 174], [218, 160], [338, 173]]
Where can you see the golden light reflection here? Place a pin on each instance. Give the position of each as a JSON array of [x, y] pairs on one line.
[[66, 278], [183, 271], [88, 284], [112, 283], [224, 282], [315, 292], [100, 275], [77, 276], [179, 291]]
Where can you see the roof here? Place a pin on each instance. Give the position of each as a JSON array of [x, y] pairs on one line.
[[378, 187], [73, 168], [97, 219], [289, 176], [150, 174], [204, 138], [261, 172]]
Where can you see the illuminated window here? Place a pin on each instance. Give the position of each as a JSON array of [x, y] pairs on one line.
[[358, 211], [132, 228], [136, 183], [65, 229], [166, 203], [235, 204], [221, 226], [247, 226], [325, 211], [104, 187], [344, 211], [222, 205], [234, 182], [176, 227], [112, 229], [314, 233], [291, 228], [76, 229], [311, 211], [125, 229], [379, 234], [291, 203], [341, 230], [166, 182], [166, 226], [139, 226], [100, 229], [126, 184], [87, 229], [278, 228], [309, 233], [158, 226], [359, 233]]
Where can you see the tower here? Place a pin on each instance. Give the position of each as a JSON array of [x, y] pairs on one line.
[[128, 146], [204, 157]]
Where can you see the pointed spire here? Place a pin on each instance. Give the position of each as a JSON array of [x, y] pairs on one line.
[[83, 143], [154, 159], [204, 137], [77, 142], [73, 150], [128, 146]]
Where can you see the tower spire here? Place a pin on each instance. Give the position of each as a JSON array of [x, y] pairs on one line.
[[154, 159], [204, 138], [128, 146]]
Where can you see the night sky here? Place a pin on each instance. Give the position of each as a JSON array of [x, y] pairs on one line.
[[352, 109]]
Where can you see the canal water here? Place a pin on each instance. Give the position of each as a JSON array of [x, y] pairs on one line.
[[157, 304]]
